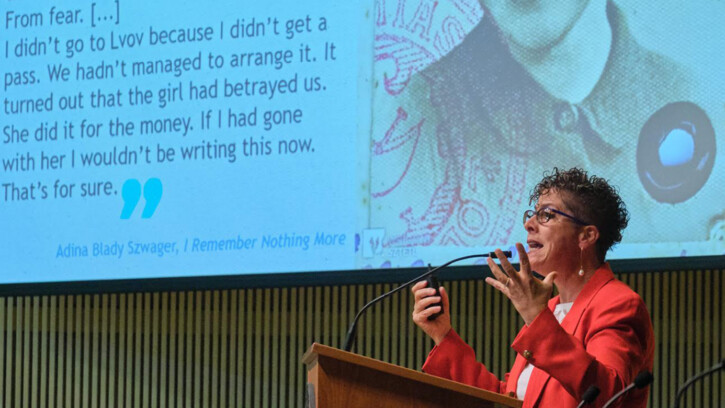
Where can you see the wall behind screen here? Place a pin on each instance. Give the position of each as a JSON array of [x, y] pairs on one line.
[[243, 347]]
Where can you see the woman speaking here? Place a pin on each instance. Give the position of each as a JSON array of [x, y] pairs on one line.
[[596, 331]]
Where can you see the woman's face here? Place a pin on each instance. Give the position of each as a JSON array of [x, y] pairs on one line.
[[554, 244], [535, 24]]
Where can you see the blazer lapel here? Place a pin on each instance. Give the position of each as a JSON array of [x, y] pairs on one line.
[[581, 303], [539, 378], [513, 380], [537, 382]]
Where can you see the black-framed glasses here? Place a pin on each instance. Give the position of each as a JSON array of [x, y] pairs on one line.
[[544, 215]]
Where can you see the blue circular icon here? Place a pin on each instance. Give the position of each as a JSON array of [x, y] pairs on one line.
[[676, 152]]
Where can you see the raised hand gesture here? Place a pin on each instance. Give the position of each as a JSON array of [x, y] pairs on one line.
[[528, 294]]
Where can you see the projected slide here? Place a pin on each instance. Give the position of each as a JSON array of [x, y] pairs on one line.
[[154, 139], [177, 139]]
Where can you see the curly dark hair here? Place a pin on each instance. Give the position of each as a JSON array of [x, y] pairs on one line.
[[591, 199]]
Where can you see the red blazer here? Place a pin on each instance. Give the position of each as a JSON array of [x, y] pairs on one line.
[[606, 339]]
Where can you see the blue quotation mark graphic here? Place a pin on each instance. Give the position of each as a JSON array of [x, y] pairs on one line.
[[131, 194]]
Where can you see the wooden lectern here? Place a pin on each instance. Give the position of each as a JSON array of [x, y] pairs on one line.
[[337, 378]]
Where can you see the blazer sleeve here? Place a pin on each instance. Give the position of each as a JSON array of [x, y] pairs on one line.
[[455, 360], [618, 342]]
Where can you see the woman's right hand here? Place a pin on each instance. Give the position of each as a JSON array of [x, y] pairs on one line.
[[437, 329]]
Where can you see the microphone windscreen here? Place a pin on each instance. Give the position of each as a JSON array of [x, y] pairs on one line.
[[643, 379], [590, 394]]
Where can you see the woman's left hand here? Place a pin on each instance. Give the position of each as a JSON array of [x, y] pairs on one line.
[[528, 294]]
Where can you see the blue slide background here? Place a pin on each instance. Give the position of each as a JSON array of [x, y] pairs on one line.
[[297, 209]]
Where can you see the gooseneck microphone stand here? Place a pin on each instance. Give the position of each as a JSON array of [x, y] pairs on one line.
[[350, 339], [681, 392]]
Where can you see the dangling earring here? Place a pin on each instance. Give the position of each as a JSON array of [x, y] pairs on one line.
[[581, 264]]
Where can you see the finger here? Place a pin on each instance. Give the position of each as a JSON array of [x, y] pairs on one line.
[[424, 293], [507, 267], [550, 278], [418, 285], [496, 271], [444, 298], [496, 284], [421, 318], [523, 258], [427, 312], [424, 303]]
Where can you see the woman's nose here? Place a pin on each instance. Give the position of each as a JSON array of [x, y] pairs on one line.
[[530, 224]]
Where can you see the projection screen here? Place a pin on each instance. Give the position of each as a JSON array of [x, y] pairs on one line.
[[190, 139]]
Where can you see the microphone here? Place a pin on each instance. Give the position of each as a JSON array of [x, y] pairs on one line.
[[433, 283], [642, 380], [350, 339], [688, 383], [589, 396]]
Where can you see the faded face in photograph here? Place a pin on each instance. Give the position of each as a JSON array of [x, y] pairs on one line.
[[535, 24]]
